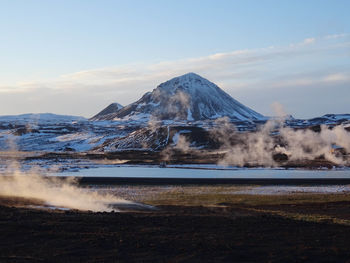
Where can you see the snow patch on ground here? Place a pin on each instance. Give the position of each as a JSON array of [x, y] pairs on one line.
[[189, 115]]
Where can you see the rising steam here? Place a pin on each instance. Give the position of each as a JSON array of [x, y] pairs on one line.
[[53, 191], [274, 138]]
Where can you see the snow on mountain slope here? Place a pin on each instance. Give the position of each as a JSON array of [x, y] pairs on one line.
[[158, 139], [142, 139], [337, 117], [188, 97], [110, 109], [329, 119], [40, 117], [50, 132]]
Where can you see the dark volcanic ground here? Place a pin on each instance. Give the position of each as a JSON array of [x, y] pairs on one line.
[[227, 233]]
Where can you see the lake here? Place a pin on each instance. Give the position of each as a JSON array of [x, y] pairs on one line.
[[169, 173]]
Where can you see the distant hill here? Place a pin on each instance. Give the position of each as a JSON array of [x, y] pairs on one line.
[[42, 117], [110, 109]]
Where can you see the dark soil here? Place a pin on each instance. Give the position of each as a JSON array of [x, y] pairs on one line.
[[340, 210], [171, 234], [177, 157]]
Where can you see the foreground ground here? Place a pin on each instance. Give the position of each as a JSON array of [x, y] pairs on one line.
[[192, 224]]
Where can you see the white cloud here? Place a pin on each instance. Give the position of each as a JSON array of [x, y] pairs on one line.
[[335, 36], [337, 77], [309, 41]]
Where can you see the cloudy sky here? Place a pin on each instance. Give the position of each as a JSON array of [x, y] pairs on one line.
[[75, 57]]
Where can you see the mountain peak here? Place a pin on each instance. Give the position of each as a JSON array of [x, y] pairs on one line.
[[187, 81], [190, 75], [189, 97]]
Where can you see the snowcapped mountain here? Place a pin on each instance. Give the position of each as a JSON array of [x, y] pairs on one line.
[[111, 108], [188, 97]]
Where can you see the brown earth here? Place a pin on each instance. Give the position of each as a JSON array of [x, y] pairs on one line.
[[225, 232]]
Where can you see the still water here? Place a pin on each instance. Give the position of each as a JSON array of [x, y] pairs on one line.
[[157, 172]]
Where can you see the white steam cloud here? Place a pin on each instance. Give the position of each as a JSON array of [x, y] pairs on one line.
[[53, 191], [273, 138]]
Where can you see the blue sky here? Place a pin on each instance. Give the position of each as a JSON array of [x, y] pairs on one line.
[[74, 57]]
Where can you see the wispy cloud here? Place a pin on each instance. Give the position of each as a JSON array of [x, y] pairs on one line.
[[309, 63], [335, 36], [308, 41], [337, 77]]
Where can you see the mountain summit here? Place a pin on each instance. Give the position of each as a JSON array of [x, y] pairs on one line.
[[189, 97]]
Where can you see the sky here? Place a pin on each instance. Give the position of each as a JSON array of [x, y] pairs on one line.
[[76, 56]]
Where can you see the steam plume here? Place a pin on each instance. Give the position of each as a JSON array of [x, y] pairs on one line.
[[53, 191], [260, 147]]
